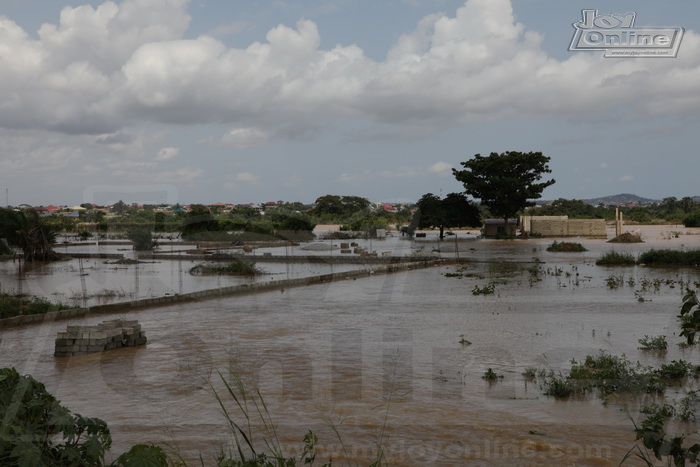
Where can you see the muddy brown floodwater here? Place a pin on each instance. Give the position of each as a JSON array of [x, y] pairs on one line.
[[380, 360]]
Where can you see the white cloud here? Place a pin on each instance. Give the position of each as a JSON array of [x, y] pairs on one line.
[[401, 172], [101, 69], [626, 178], [166, 154], [244, 177], [440, 168], [244, 138]]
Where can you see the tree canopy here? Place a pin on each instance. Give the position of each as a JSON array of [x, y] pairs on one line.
[[453, 211], [506, 182], [339, 206]]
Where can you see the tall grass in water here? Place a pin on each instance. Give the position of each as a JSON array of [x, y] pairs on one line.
[[614, 258], [251, 405], [248, 419]]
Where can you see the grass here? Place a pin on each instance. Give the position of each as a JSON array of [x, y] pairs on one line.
[[667, 257], [12, 305], [566, 247], [613, 258], [237, 267]]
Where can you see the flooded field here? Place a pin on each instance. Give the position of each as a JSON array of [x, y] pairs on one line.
[[379, 360]]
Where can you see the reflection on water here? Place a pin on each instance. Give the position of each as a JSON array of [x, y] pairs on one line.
[[375, 357]]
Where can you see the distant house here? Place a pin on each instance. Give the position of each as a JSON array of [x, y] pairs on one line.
[[497, 227]]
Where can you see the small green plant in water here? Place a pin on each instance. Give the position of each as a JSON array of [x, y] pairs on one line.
[[653, 343], [488, 289], [614, 282], [491, 375]]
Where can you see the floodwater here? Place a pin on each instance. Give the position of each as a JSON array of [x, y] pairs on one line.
[[378, 360]]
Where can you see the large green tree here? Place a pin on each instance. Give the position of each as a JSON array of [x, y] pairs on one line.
[[506, 182], [453, 211]]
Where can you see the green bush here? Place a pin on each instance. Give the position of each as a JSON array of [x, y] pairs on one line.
[[668, 257], [614, 258], [693, 220]]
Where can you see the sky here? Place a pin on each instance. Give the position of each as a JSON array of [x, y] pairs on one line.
[[233, 101]]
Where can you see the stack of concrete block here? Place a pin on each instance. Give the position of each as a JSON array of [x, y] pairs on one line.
[[80, 340]]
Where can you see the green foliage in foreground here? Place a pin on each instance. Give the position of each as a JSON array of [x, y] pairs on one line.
[[36, 430], [11, 305], [614, 258], [656, 441]]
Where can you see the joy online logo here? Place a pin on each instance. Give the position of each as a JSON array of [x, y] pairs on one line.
[[617, 36]]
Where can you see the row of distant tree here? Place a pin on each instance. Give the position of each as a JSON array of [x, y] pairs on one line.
[[505, 185]]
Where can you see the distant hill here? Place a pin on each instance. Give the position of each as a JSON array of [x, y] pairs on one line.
[[622, 198]]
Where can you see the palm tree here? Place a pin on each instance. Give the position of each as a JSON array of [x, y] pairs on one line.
[[26, 230]]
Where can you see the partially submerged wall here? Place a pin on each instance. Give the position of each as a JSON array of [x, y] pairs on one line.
[[242, 289]]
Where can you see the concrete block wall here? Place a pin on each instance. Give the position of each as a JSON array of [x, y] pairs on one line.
[[550, 227], [588, 228], [525, 221], [594, 228], [80, 340]]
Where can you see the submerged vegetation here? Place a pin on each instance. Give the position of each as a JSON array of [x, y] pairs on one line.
[[238, 267], [608, 374], [627, 237], [566, 247]]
